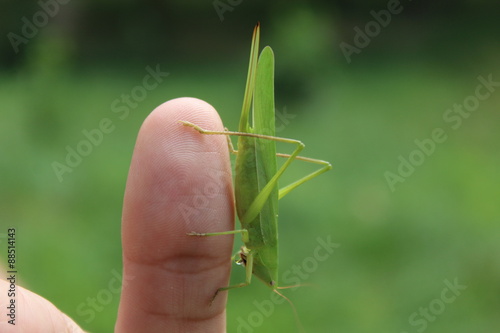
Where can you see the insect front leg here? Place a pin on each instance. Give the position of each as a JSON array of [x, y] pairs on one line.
[[248, 262], [245, 254]]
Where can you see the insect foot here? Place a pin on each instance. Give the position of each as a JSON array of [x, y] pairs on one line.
[[189, 124], [192, 233]]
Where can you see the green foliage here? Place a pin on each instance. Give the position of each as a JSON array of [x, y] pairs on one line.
[[396, 248]]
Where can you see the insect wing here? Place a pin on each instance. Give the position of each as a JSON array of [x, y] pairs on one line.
[[265, 150]]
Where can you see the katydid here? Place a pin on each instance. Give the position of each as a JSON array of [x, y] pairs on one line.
[[257, 174]]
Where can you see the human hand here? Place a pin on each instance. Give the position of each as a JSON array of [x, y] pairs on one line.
[[179, 181]]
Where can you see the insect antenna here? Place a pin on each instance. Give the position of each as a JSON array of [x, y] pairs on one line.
[[295, 314], [297, 285]]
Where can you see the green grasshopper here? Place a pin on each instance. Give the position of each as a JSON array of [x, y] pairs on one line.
[[257, 174]]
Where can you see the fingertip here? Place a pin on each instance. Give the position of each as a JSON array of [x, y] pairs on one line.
[[174, 168]]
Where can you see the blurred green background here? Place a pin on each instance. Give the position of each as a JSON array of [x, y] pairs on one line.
[[401, 245]]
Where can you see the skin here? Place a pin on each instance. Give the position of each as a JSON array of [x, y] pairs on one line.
[[169, 278]]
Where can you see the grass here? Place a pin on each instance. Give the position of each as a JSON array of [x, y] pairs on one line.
[[396, 248]]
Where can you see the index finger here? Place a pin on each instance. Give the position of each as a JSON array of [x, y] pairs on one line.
[[179, 181]]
